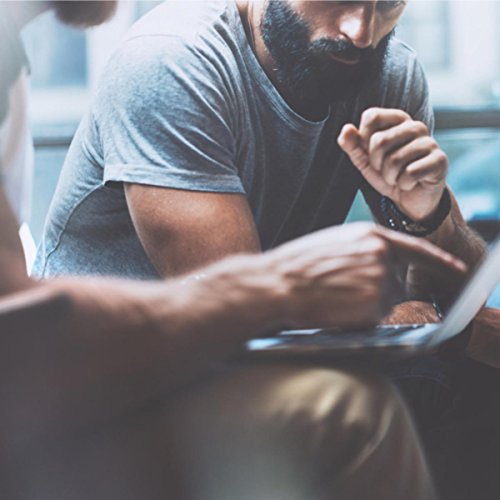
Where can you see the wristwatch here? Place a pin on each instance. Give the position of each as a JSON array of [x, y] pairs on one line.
[[393, 218]]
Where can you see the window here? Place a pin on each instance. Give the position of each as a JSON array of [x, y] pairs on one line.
[[426, 27], [458, 44]]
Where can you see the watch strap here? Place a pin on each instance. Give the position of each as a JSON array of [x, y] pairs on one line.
[[394, 218]]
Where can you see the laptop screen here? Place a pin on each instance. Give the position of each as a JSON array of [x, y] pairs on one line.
[[473, 296]]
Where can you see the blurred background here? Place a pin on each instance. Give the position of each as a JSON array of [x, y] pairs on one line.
[[459, 50]]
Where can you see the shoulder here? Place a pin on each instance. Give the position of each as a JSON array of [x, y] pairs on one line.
[[401, 63], [183, 32], [186, 19], [176, 44], [402, 83]]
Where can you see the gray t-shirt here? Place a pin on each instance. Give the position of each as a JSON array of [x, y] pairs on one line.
[[185, 104]]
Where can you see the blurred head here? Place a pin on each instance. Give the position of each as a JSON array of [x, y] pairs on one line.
[[84, 14], [326, 51]]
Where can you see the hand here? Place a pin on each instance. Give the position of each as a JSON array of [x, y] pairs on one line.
[[411, 312], [348, 275], [399, 158]]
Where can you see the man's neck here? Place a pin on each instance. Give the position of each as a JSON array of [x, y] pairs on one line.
[[22, 12], [251, 14]]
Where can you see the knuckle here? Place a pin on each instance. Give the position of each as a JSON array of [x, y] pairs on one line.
[[370, 117], [372, 231], [431, 142], [395, 160], [440, 157], [367, 229], [420, 128], [404, 115], [379, 140], [380, 248]]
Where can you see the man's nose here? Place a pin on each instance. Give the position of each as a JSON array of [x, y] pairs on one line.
[[358, 24]]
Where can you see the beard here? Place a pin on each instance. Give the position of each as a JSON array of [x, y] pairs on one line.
[[305, 70], [84, 13]]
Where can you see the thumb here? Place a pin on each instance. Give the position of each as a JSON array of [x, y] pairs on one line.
[[350, 142]]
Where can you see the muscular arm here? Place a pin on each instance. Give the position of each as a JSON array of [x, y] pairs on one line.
[[183, 230], [455, 236], [400, 160], [114, 345]]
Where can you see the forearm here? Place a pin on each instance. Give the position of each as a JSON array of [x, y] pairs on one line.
[[122, 344], [456, 237]]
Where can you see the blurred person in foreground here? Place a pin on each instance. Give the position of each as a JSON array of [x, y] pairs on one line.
[[100, 378]]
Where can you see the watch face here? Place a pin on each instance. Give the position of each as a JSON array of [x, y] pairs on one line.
[[414, 227]]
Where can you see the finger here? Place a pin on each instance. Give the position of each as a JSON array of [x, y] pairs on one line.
[[393, 286], [376, 119], [385, 142], [397, 163], [350, 142], [430, 170], [419, 250]]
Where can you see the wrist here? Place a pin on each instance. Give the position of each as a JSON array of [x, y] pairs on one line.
[[394, 218], [424, 209], [241, 292], [412, 312]]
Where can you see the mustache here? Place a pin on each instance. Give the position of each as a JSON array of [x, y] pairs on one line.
[[342, 48]]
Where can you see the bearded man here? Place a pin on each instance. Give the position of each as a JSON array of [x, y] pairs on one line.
[[222, 127], [216, 129], [94, 373]]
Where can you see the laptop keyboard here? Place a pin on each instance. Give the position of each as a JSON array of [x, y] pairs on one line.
[[327, 336], [389, 330]]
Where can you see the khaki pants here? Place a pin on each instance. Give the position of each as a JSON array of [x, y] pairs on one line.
[[256, 432]]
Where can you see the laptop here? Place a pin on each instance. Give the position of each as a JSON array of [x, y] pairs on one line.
[[389, 341]]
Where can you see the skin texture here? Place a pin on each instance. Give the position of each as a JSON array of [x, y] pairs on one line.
[[484, 344], [418, 311], [131, 342], [364, 24], [183, 230], [150, 330], [400, 159]]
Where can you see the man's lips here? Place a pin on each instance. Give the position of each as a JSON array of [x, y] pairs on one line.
[[344, 60]]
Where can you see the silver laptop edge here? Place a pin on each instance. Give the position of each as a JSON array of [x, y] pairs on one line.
[[423, 337], [472, 298]]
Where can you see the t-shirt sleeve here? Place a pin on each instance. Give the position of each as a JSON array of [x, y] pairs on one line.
[[419, 105], [163, 118]]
